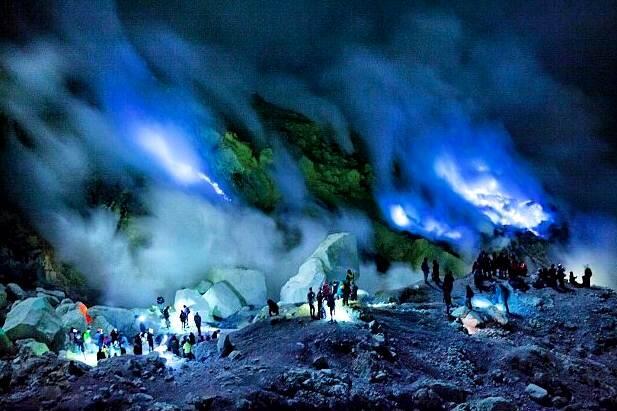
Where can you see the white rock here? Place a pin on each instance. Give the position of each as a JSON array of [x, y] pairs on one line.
[[195, 301], [35, 318], [203, 286], [338, 253], [249, 284], [536, 392], [73, 319], [310, 274], [109, 318], [472, 321], [222, 300], [330, 261]]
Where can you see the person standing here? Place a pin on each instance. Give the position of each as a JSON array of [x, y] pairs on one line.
[[197, 319], [183, 319], [320, 313], [468, 296], [425, 269], [448, 285], [310, 296], [150, 339], [587, 278], [331, 305], [346, 292], [504, 295], [435, 275]]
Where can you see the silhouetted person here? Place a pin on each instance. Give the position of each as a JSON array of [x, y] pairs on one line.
[[448, 285], [504, 294], [331, 305], [561, 276], [320, 310], [183, 319], [114, 335], [435, 275], [468, 296], [166, 316], [349, 276], [346, 292], [273, 308], [150, 338], [425, 269], [100, 355], [137, 350], [310, 297], [572, 280], [354, 292], [587, 277], [197, 319]]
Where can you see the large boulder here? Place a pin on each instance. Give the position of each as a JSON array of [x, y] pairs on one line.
[[222, 300], [338, 253], [109, 318], [203, 286], [4, 298], [73, 319], [250, 285], [30, 346], [35, 318], [310, 274], [330, 261], [195, 301], [17, 292], [59, 294]]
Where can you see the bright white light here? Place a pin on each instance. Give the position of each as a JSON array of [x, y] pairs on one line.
[[155, 143], [480, 302], [429, 225], [399, 216], [485, 192], [141, 318]]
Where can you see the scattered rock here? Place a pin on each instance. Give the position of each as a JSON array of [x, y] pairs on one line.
[[536, 393], [235, 354], [379, 376], [321, 362], [224, 345], [488, 404], [30, 346], [60, 295]]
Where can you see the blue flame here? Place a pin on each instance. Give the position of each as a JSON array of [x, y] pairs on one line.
[[164, 130]]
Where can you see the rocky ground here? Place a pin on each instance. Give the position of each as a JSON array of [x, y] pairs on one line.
[[557, 351]]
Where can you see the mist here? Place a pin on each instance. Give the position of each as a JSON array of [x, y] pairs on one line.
[[466, 126]]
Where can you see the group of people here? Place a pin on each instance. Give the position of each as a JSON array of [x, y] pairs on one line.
[[104, 345], [116, 343], [555, 277], [329, 293], [184, 318]]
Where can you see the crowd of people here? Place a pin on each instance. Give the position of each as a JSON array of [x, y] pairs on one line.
[[328, 293], [116, 343], [498, 273]]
